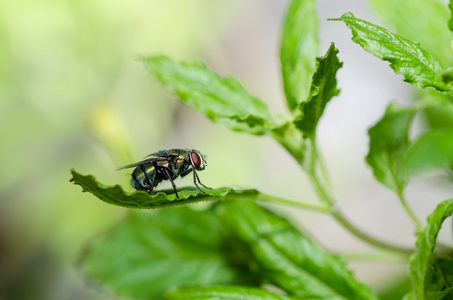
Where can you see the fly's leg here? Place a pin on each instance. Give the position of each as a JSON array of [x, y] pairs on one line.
[[171, 180], [186, 172], [153, 183], [195, 177]]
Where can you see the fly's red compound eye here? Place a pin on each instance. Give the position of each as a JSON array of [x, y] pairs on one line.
[[196, 159]]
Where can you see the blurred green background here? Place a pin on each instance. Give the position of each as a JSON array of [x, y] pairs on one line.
[[74, 95]]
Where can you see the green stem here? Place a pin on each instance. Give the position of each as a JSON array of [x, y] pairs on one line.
[[320, 190], [410, 212], [340, 218], [325, 195], [366, 238], [317, 208], [325, 192], [375, 257], [323, 168]]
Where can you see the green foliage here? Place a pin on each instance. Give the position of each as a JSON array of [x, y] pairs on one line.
[[223, 100], [407, 58], [323, 88], [439, 279], [223, 292], [299, 46], [404, 17], [450, 21], [388, 145], [431, 150], [147, 253], [438, 110], [203, 254], [290, 138], [289, 259], [424, 260]]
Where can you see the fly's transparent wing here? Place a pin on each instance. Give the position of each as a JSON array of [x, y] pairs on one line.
[[143, 162]]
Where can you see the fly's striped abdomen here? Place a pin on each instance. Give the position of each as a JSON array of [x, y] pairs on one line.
[[139, 180]]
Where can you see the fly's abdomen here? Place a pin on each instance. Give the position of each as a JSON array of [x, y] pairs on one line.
[[139, 178]]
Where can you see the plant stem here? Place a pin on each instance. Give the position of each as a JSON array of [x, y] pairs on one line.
[[323, 168], [410, 212], [324, 193], [317, 208], [340, 219], [365, 237], [337, 215], [375, 257], [320, 190]]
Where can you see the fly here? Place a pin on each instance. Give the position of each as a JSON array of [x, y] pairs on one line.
[[166, 165]]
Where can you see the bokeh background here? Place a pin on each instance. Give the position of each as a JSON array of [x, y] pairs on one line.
[[74, 95]]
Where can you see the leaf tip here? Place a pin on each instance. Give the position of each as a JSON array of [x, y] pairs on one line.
[[347, 15]]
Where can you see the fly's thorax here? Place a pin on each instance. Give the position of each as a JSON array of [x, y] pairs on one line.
[[180, 162], [177, 165], [163, 164]]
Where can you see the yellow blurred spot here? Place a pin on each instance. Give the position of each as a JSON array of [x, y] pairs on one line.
[[106, 126]]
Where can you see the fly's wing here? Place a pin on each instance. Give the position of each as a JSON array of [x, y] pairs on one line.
[[143, 162], [173, 153]]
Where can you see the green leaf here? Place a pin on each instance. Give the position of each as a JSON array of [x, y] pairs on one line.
[[423, 258], [450, 21], [418, 20], [223, 292], [287, 258], [407, 58], [445, 294], [397, 289], [438, 110], [115, 194], [147, 253], [431, 150], [290, 138], [439, 280], [323, 88], [299, 47], [223, 100], [388, 145], [447, 76]]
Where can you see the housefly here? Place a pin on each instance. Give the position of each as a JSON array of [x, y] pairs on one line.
[[166, 165]]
